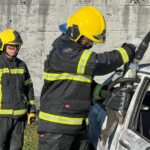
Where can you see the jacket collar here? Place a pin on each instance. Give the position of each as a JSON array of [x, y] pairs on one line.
[[7, 58]]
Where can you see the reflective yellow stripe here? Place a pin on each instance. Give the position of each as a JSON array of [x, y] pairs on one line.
[[83, 61], [124, 54], [10, 111], [12, 71], [67, 76], [17, 71], [27, 82], [31, 102], [4, 70], [13, 112], [60, 119], [0, 90], [87, 121], [20, 112]]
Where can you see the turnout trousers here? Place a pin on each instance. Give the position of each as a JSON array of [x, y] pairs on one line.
[[53, 141], [11, 133]]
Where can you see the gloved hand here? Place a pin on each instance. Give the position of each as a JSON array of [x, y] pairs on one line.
[[31, 118], [130, 49], [97, 91]]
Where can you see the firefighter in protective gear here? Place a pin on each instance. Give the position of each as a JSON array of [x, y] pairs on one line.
[[68, 75], [16, 96]]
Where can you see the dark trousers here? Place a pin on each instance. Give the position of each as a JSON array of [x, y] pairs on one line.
[[53, 141], [11, 133]]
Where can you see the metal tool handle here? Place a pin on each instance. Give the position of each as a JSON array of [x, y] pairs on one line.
[[142, 48]]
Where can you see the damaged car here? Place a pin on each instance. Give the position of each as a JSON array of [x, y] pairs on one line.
[[120, 116]]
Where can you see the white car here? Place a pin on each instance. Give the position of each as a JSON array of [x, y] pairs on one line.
[[133, 133]]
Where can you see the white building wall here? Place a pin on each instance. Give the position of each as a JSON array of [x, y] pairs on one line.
[[38, 20]]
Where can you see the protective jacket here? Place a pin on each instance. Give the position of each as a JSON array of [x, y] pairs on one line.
[[16, 88], [68, 75]]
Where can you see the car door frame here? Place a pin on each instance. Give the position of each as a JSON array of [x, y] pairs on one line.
[[125, 137]]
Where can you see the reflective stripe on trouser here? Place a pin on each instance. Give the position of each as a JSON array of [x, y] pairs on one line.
[[67, 76], [15, 128], [61, 119]]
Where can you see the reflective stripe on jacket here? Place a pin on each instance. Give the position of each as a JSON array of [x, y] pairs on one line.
[[16, 88], [68, 76], [62, 119], [61, 108]]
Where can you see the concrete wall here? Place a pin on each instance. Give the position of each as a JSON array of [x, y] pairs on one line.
[[38, 20]]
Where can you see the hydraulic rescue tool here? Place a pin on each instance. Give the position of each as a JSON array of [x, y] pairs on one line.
[[120, 91]]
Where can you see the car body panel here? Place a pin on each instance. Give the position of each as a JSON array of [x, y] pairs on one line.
[[124, 137]]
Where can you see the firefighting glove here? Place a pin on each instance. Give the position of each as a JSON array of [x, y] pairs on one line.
[[31, 118], [130, 49], [97, 92], [100, 93]]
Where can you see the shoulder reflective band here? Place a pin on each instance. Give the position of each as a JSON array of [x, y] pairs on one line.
[[67, 76], [124, 54], [12, 112], [12, 71], [27, 82], [60, 119], [83, 61]]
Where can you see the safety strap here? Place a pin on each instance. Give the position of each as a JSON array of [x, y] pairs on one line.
[[61, 119], [67, 76], [83, 61]]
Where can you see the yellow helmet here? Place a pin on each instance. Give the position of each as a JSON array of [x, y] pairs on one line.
[[10, 36], [88, 22]]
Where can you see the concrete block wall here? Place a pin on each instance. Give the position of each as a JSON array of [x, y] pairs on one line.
[[38, 20]]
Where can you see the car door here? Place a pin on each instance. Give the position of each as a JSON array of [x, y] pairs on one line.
[[135, 131]]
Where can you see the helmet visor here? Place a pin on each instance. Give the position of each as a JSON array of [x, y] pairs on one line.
[[101, 36]]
